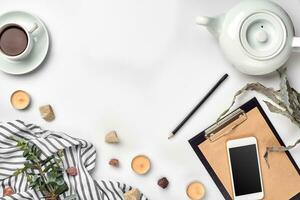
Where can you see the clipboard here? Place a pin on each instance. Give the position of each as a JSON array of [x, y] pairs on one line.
[[281, 180]]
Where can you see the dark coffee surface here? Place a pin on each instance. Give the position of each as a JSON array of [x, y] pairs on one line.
[[13, 41]]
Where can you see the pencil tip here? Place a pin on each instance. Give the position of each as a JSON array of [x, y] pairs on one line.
[[172, 135]]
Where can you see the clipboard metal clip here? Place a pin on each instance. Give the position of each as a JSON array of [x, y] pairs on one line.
[[227, 124]]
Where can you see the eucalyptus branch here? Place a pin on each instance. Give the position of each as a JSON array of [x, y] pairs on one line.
[[49, 179], [285, 101]]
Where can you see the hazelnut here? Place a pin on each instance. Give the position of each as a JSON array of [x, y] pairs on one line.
[[114, 162], [163, 182]]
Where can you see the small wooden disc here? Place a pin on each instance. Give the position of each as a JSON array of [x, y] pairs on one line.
[[141, 164], [20, 100], [195, 190]]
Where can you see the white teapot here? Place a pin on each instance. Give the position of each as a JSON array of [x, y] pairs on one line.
[[256, 36]]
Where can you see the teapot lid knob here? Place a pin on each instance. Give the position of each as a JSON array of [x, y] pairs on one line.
[[262, 36]]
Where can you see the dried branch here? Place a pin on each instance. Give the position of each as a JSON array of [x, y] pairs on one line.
[[278, 149], [285, 101]]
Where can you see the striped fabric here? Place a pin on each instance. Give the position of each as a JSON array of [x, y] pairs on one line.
[[77, 153]]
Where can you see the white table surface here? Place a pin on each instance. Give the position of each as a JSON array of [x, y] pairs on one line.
[[137, 67]]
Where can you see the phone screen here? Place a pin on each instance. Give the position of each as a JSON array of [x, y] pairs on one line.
[[245, 170]]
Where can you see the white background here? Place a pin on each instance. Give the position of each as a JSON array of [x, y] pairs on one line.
[[136, 66]]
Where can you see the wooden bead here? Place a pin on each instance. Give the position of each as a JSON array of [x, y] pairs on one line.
[[47, 113], [72, 171], [112, 137], [133, 194]]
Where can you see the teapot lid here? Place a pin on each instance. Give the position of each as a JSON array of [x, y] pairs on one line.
[[263, 35]]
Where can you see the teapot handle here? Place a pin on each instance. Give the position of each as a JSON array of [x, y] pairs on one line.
[[296, 44]]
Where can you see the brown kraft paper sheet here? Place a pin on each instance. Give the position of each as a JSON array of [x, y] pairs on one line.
[[280, 181]]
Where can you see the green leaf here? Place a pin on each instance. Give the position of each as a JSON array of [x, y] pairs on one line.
[[60, 181], [17, 172], [47, 160], [63, 188], [50, 166], [29, 165]]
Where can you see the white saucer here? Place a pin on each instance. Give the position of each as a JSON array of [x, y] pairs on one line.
[[40, 46]]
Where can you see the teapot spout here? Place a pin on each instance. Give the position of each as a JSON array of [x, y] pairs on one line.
[[213, 24]]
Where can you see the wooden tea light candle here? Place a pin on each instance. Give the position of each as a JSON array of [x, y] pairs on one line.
[[20, 100], [141, 164], [195, 190]]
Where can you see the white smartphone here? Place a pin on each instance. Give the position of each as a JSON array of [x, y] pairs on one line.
[[245, 169]]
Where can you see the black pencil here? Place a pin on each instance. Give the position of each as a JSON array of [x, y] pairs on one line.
[[198, 105]]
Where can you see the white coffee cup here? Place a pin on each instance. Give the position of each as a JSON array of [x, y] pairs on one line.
[[30, 40]]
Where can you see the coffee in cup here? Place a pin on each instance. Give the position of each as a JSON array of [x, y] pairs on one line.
[[16, 41], [13, 40]]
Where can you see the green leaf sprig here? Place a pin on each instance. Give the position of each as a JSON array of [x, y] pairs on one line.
[[46, 175]]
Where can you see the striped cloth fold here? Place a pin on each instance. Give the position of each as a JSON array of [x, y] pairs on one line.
[[77, 153]]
